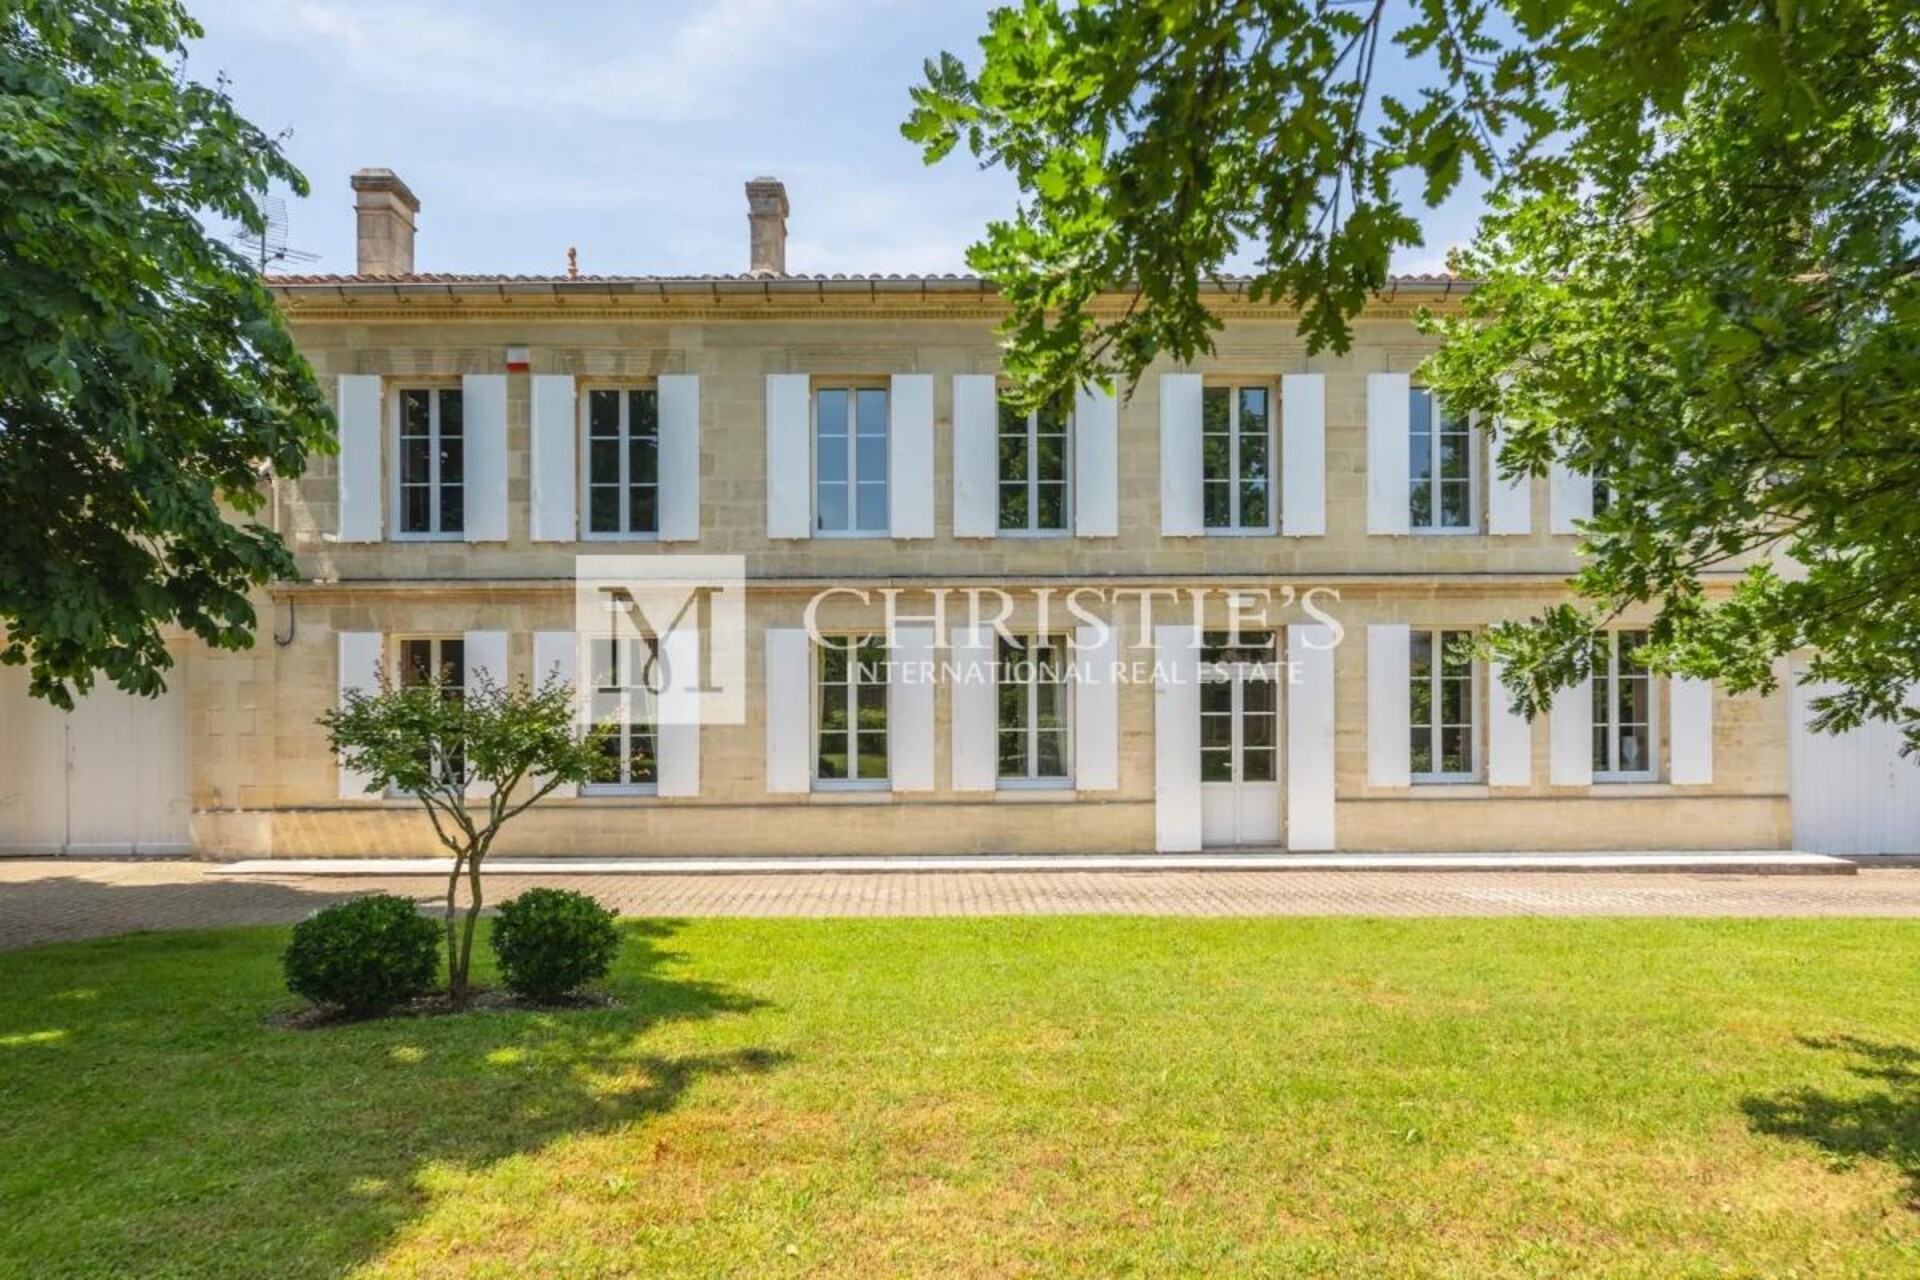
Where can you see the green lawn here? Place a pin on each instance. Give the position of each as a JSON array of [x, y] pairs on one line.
[[1038, 1097]]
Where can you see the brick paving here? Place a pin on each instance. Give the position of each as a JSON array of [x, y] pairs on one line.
[[51, 900]]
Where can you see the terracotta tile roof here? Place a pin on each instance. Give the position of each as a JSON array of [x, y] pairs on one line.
[[465, 278]]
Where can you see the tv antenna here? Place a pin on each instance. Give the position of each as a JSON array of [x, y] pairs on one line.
[[268, 247]]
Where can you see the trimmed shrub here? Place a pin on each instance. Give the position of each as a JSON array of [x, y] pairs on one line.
[[549, 942], [365, 956]]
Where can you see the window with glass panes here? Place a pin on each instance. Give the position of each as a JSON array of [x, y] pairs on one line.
[[1033, 675], [432, 470], [1239, 707], [1033, 469], [850, 460], [852, 697], [423, 660], [1236, 459], [1622, 708], [623, 461], [1440, 466], [1441, 669], [626, 683]]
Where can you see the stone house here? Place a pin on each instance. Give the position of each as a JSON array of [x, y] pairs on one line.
[[1307, 541]]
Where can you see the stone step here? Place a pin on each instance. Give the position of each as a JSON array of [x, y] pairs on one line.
[[1734, 862]]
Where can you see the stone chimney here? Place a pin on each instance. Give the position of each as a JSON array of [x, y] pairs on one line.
[[384, 209], [767, 220]]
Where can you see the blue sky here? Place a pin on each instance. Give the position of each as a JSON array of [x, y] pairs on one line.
[[627, 129]]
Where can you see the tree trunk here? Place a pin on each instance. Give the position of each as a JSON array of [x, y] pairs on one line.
[[456, 976], [475, 902]]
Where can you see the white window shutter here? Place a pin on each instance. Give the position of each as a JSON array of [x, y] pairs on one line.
[[358, 463], [1176, 739], [910, 709], [483, 398], [1509, 502], [1310, 738], [974, 694], [1691, 731], [788, 699], [486, 653], [789, 456], [1509, 736], [556, 657], [976, 456], [555, 466], [1389, 705], [1389, 501], [1096, 463], [1096, 710], [1180, 499], [678, 709], [1570, 498], [910, 458], [359, 672], [1303, 455], [1570, 724], [679, 401]]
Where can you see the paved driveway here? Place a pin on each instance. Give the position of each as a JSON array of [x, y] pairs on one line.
[[49, 900]]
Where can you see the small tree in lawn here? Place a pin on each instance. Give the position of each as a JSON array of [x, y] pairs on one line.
[[476, 758]]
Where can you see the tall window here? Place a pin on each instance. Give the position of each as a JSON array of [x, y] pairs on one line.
[[626, 682], [623, 461], [1033, 469], [1033, 674], [432, 461], [850, 460], [1236, 457], [1442, 671], [853, 711], [1440, 467], [425, 659], [1622, 709]]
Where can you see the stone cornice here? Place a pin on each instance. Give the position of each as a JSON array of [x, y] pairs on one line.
[[428, 301], [1395, 583]]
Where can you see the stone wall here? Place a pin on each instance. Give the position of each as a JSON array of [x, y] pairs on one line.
[[265, 784]]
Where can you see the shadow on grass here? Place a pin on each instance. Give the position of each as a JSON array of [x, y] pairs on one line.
[[1882, 1124], [171, 1132]]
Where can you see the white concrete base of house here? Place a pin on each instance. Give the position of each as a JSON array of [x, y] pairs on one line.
[[1735, 862]]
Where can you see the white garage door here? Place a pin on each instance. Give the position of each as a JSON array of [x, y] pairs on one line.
[[109, 778], [1854, 792]]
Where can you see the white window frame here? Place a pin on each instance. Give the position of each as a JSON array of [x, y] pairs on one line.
[[1436, 637], [1030, 529], [1030, 691], [397, 489], [1612, 675], [1475, 447], [397, 669], [851, 641], [625, 693], [852, 387], [1238, 528], [624, 390]]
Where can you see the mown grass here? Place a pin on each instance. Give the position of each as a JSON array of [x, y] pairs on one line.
[[1040, 1097]]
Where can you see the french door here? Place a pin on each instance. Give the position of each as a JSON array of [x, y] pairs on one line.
[[1240, 740]]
